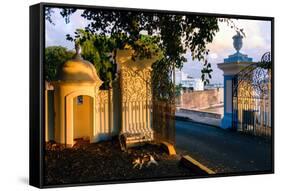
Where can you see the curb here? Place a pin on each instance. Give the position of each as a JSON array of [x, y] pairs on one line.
[[181, 118], [196, 166], [201, 113]]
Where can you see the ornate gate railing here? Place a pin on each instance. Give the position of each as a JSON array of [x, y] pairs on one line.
[[252, 98]]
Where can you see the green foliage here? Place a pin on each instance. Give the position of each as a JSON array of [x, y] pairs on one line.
[[173, 34], [206, 73], [146, 47], [48, 14], [162, 85], [66, 12], [55, 56], [100, 50]]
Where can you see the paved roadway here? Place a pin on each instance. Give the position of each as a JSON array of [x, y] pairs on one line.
[[223, 151]]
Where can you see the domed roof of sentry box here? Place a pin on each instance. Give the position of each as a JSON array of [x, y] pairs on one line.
[[78, 69]]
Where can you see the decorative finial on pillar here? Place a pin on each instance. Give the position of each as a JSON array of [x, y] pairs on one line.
[[78, 51], [238, 57], [237, 41]]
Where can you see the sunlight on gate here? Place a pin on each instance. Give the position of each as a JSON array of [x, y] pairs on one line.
[[252, 98]]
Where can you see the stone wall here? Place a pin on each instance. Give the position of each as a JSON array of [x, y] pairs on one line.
[[201, 99]]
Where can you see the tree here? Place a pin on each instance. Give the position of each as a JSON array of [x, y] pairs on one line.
[[99, 49], [55, 56], [174, 34]]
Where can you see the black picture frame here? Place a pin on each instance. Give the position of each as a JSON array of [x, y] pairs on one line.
[[36, 97]]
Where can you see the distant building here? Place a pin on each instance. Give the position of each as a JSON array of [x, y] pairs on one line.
[[189, 82], [213, 86]]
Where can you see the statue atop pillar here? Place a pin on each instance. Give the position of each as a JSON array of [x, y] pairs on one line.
[[237, 41], [238, 57]]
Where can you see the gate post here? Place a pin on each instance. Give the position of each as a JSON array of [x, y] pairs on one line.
[[136, 95], [230, 67]]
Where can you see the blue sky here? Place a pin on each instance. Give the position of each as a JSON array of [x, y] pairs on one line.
[[256, 42]]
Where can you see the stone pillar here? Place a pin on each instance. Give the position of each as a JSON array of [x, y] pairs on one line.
[[229, 71], [227, 117], [230, 67], [135, 92]]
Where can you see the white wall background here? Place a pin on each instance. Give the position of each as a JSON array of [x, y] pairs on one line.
[[14, 33]]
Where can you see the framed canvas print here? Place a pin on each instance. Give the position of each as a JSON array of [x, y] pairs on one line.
[[127, 95]]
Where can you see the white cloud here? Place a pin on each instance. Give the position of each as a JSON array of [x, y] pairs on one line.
[[214, 56], [258, 37], [256, 42]]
